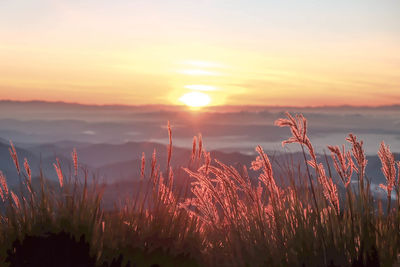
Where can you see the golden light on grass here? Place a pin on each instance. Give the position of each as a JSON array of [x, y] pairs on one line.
[[195, 99]]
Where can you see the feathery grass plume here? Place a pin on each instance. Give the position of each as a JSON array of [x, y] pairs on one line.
[[14, 156], [388, 169], [143, 166], [74, 156], [207, 160], [266, 164], [2, 194], [359, 155], [165, 190], [16, 199], [169, 148], [398, 178], [264, 161], [203, 202], [3, 183], [324, 215], [329, 188], [256, 164], [343, 163], [153, 163], [170, 180], [194, 148], [298, 127], [388, 165], [200, 145], [28, 170], [267, 178], [60, 176]]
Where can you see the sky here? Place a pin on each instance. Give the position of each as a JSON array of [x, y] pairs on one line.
[[279, 53]]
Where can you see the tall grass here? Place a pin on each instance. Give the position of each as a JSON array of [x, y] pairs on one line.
[[219, 215]]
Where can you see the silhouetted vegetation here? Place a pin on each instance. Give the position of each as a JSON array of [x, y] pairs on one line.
[[217, 216]]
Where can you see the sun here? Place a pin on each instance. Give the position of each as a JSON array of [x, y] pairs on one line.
[[195, 99]]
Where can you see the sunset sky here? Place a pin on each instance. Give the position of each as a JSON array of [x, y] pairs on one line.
[[233, 52]]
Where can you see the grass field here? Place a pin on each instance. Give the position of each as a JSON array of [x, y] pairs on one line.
[[217, 216]]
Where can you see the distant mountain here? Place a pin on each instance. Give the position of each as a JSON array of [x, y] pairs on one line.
[[237, 129], [7, 165], [62, 104], [35, 162], [110, 139], [119, 165]]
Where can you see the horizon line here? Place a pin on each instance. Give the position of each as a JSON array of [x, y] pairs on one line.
[[38, 101]]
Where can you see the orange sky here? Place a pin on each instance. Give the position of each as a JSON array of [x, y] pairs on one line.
[[236, 52]]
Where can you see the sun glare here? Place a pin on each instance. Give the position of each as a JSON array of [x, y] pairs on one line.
[[198, 72], [200, 87], [195, 99]]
